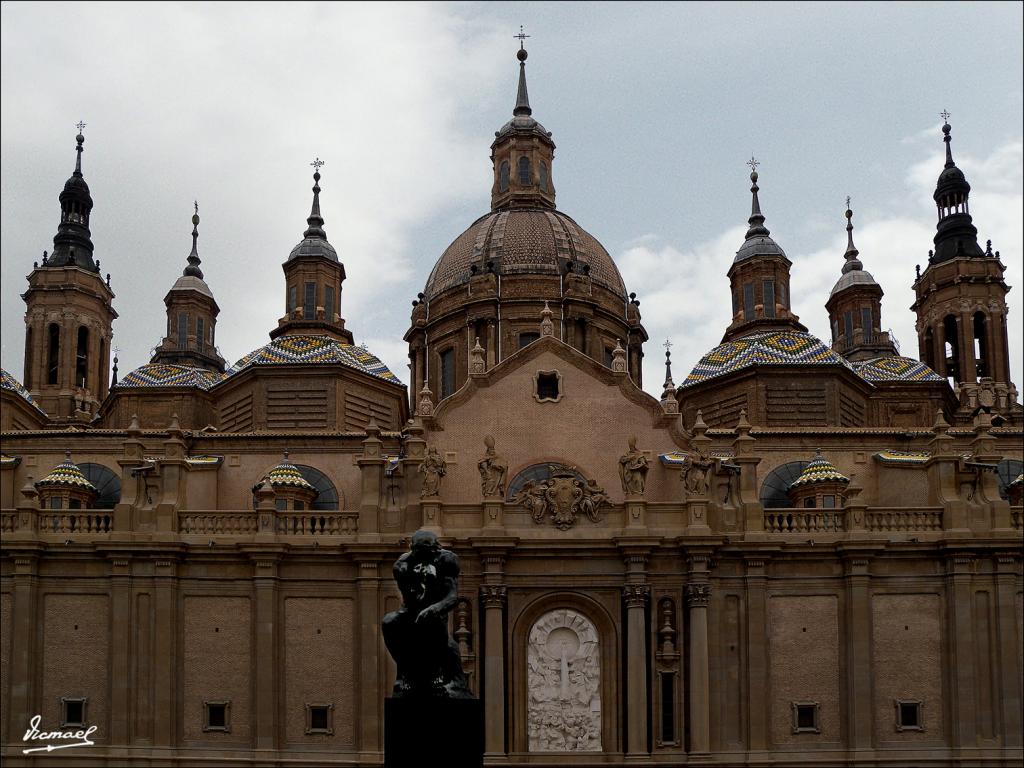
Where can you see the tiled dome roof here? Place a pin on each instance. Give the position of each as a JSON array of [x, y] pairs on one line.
[[315, 350], [765, 348], [895, 369], [169, 375], [524, 241], [820, 470], [66, 473], [11, 384]]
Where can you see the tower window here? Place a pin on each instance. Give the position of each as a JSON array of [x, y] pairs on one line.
[[952, 351], [182, 329], [848, 327], [200, 333], [908, 715], [748, 301], [783, 296], [543, 176], [293, 297], [329, 302], [82, 357], [72, 711], [867, 323], [309, 302], [524, 171], [609, 355], [53, 354], [217, 716], [768, 293], [447, 372], [980, 346], [805, 717], [527, 338], [503, 175], [318, 718], [835, 330], [735, 303]]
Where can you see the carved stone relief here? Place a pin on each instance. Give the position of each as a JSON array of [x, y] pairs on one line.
[[564, 684]]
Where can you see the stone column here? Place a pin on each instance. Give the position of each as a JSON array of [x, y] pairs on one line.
[[757, 654], [1009, 661], [165, 666], [493, 595], [698, 595], [859, 720], [635, 597], [24, 648], [120, 643], [267, 668], [961, 657], [371, 699]]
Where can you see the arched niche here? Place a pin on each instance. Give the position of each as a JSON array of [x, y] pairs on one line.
[[775, 488]]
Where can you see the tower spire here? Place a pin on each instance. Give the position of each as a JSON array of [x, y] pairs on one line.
[[946, 137], [955, 234], [81, 140], [193, 258], [756, 220], [315, 220], [522, 95], [852, 262]]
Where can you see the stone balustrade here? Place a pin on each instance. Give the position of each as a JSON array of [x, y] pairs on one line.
[[217, 522], [317, 523], [904, 519], [804, 520], [76, 521]]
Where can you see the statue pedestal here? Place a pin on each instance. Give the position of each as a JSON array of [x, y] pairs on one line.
[[428, 732]]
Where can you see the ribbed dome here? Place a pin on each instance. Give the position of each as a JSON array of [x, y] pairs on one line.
[[853, 277], [524, 242]]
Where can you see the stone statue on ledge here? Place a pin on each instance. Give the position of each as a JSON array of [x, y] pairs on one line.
[[416, 635]]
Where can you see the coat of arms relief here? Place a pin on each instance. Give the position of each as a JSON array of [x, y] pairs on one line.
[[563, 497]]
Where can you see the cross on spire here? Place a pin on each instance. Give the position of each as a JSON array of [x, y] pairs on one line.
[[195, 204], [668, 346], [521, 37], [753, 164], [317, 164], [80, 126], [847, 202], [945, 116]]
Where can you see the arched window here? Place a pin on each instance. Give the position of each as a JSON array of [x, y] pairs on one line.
[[524, 171], [1008, 471], [107, 482], [82, 357], [53, 354], [543, 176], [952, 351], [775, 489], [104, 363], [929, 349], [200, 333], [503, 176], [327, 495], [447, 373], [982, 366], [182, 330]]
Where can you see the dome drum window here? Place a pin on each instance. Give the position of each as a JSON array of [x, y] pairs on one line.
[[503, 176], [525, 179]]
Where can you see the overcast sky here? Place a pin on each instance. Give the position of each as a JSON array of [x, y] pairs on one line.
[[654, 109]]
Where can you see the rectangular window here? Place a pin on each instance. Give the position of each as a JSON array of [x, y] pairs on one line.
[[805, 717], [329, 308], [300, 506], [828, 502], [217, 716], [867, 324], [909, 716], [319, 717], [668, 708], [72, 712], [835, 330], [547, 386], [182, 330], [768, 290], [783, 298], [56, 502], [848, 323], [748, 301], [309, 302], [609, 353], [281, 505], [735, 303], [527, 338], [447, 373], [809, 502], [293, 297], [200, 333]]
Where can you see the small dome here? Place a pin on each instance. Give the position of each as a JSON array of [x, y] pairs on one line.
[[315, 350], [524, 241], [853, 277], [76, 184], [820, 470], [522, 124], [66, 473], [287, 475], [314, 246], [758, 246], [895, 369], [154, 375], [765, 348], [192, 283]]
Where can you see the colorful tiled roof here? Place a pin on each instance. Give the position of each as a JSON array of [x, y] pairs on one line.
[[820, 470], [895, 369], [765, 348], [902, 457], [11, 384], [169, 375], [204, 461], [315, 350], [66, 473], [286, 474], [9, 461]]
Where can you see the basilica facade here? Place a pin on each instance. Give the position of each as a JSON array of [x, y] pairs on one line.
[[807, 551]]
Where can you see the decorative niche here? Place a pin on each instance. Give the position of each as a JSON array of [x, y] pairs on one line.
[[547, 386]]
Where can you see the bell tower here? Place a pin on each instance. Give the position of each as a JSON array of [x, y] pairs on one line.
[[69, 313], [960, 300]]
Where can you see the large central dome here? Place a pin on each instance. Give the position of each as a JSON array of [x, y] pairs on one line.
[[520, 242]]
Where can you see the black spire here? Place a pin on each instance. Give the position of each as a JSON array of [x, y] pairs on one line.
[[72, 245], [522, 96], [315, 220], [193, 269], [756, 220], [852, 262], [955, 234], [668, 364]]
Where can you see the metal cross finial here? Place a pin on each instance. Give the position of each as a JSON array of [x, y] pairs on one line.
[[847, 202], [667, 345], [944, 115], [753, 164], [317, 164], [80, 126], [195, 204], [521, 37]]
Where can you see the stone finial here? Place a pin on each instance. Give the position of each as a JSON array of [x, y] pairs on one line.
[[743, 442], [372, 429], [618, 358], [699, 426], [425, 407], [941, 426], [133, 428], [174, 428], [547, 327], [477, 366], [265, 494], [942, 442]]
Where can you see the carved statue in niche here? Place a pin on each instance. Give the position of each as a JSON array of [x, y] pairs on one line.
[[416, 635], [492, 471], [432, 469], [633, 470], [696, 475], [564, 684], [563, 496]]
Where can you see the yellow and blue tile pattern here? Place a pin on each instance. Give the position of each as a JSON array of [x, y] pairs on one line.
[[766, 348], [315, 350]]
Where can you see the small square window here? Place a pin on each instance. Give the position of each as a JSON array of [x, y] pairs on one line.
[[319, 718], [548, 386], [72, 712], [809, 502], [909, 716], [525, 339], [218, 716], [828, 502], [805, 717]]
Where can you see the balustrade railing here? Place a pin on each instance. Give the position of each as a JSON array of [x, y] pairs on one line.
[[325, 523], [218, 522], [907, 519], [76, 521], [804, 520]]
